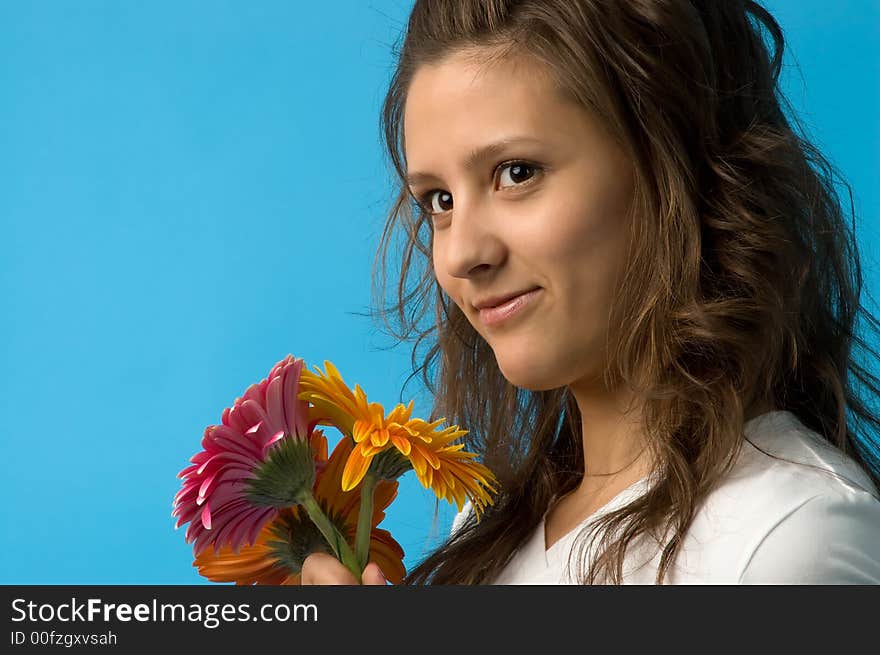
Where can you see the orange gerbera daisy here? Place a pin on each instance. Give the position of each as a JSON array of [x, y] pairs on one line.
[[277, 554], [439, 464]]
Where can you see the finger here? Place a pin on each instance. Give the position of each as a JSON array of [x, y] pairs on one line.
[[324, 569], [373, 575]]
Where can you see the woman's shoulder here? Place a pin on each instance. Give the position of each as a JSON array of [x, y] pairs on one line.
[[784, 468], [794, 509], [784, 460]]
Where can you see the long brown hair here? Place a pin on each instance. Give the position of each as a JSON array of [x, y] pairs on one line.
[[743, 283]]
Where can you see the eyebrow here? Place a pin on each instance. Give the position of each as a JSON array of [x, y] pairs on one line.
[[475, 157]]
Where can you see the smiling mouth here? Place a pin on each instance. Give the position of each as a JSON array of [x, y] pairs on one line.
[[492, 316], [500, 300]]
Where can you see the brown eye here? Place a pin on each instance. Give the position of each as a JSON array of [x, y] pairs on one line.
[[518, 172], [436, 202]]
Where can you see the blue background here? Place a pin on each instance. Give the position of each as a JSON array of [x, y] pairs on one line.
[[189, 191]]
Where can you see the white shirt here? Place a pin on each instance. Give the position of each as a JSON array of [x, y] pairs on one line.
[[767, 522]]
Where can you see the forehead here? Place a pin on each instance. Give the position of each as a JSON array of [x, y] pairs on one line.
[[461, 99]]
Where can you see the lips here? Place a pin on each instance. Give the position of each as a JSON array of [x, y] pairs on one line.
[[513, 306], [495, 301]]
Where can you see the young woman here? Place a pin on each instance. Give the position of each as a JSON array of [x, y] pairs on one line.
[[641, 294]]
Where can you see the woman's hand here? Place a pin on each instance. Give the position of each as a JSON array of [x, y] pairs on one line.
[[324, 569]]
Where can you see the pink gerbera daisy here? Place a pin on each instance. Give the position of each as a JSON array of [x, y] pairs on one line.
[[253, 464]]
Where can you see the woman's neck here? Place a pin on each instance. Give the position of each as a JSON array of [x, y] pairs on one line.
[[611, 429]]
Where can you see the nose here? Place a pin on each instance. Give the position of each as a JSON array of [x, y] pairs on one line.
[[472, 244]]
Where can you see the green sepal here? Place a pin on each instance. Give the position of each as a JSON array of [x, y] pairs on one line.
[[285, 477], [390, 464]]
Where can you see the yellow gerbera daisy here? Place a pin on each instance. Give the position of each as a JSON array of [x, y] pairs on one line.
[[440, 465]]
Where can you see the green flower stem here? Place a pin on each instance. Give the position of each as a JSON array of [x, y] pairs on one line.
[[337, 542], [365, 519]]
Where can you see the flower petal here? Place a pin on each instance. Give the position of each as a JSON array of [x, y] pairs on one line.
[[355, 469]]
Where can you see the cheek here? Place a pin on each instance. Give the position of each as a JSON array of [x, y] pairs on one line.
[[576, 238], [582, 255], [580, 215]]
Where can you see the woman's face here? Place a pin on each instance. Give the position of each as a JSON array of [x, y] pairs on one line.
[[528, 194]]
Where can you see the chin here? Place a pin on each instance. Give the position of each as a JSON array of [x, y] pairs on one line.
[[526, 375]]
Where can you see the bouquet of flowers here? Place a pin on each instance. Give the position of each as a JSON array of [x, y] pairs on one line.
[[263, 493]]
